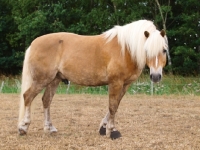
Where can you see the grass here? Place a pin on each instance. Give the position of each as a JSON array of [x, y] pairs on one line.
[[169, 85]]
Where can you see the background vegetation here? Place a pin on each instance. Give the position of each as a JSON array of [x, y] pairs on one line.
[[21, 21], [175, 85]]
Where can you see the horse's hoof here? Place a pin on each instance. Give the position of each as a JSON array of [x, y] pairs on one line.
[[54, 131], [102, 131], [115, 135], [50, 129], [22, 132]]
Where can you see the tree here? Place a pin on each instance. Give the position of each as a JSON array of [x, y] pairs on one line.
[[166, 10], [10, 57], [184, 37], [21, 21]]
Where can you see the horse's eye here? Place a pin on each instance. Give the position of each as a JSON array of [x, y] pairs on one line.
[[164, 51]]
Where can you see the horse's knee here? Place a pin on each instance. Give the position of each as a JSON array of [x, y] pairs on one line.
[[113, 109]]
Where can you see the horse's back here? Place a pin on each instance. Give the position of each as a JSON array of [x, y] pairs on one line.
[[71, 55], [85, 60]]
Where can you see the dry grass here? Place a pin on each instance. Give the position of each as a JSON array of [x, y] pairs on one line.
[[146, 122]]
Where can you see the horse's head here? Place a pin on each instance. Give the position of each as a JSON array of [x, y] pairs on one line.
[[156, 47]]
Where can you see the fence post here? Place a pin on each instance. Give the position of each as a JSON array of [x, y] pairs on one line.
[[2, 84], [151, 88], [18, 84], [68, 86]]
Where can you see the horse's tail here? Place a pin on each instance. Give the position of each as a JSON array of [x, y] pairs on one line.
[[26, 83]]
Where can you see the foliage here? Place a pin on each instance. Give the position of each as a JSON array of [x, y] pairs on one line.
[[184, 32], [170, 85], [21, 21]]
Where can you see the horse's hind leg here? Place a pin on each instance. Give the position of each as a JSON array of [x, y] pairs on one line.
[[47, 98], [29, 95]]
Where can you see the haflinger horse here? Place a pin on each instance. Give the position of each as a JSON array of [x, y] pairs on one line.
[[115, 58]]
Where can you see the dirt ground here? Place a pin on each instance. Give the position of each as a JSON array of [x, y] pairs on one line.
[[145, 122]]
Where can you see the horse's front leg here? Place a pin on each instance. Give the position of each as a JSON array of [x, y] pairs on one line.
[[47, 98], [104, 122], [113, 133]]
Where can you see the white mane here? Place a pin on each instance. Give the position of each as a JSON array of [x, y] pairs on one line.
[[132, 38]]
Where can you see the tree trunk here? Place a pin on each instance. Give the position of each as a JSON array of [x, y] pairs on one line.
[[199, 59], [164, 20], [115, 9]]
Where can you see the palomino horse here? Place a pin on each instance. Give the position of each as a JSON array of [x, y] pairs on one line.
[[115, 58]]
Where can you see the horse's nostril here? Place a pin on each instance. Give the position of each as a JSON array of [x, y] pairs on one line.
[[159, 77], [151, 76], [155, 77]]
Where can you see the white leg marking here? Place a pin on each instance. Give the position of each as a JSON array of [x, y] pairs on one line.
[[110, 127], [24, 124], [46, 117], [104, 121], [27, 117], [48, 127], [108, 123]]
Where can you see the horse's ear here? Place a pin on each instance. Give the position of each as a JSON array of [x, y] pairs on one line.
[[162, 33], [146, 33]]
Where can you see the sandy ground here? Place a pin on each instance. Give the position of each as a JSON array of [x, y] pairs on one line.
[[145, 122]]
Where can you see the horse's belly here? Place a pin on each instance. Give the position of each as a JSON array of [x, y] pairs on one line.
[[86, 77]]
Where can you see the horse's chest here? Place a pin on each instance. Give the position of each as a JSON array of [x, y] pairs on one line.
[[134, 76]]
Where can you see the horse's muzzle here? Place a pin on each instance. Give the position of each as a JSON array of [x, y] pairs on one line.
[[155, 77]]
